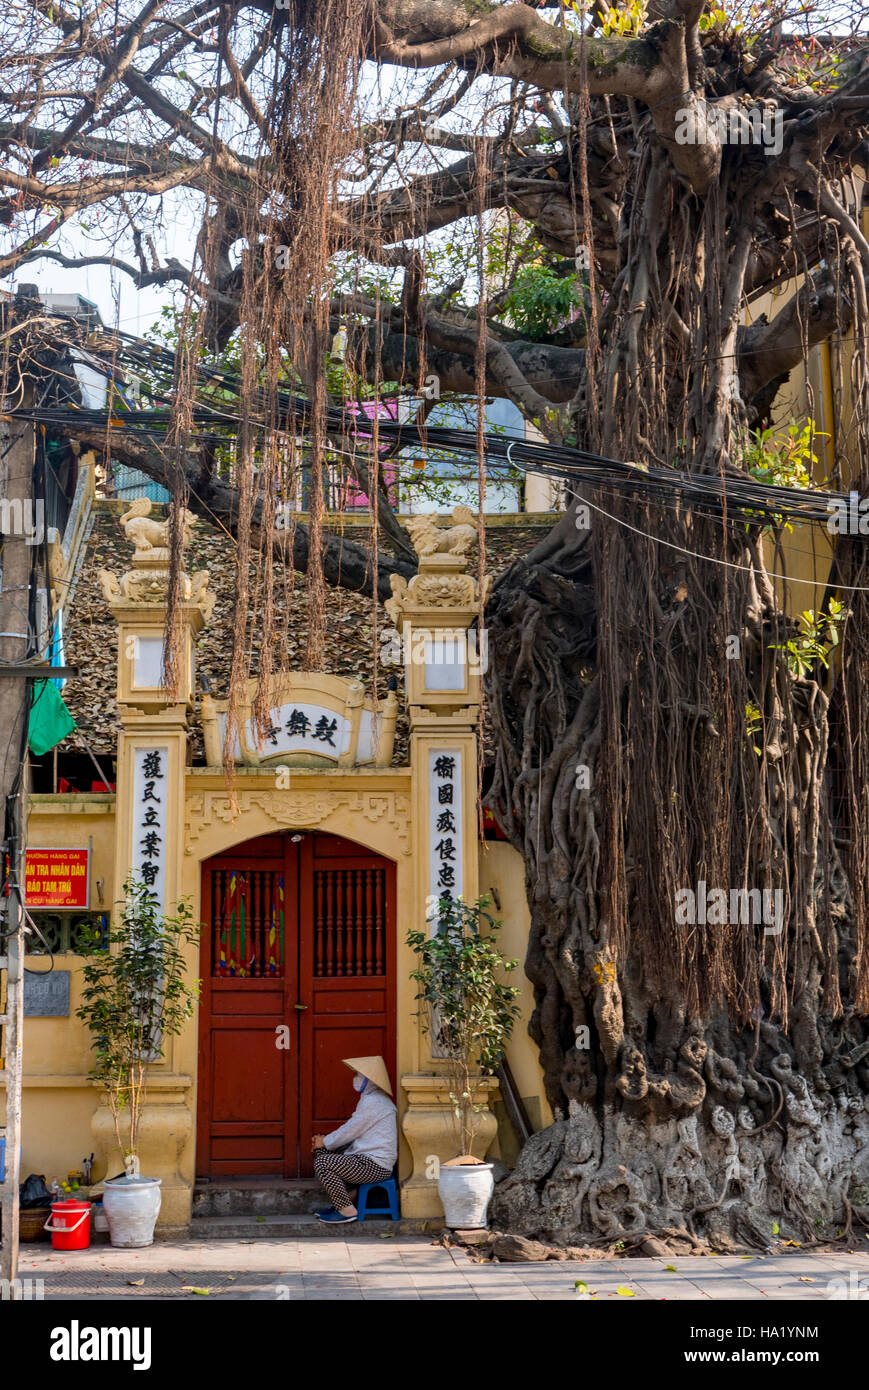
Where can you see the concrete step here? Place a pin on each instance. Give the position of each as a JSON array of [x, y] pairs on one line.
[[301, 1226], [253, 1197]]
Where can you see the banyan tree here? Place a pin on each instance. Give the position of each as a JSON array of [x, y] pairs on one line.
[[586, 211]]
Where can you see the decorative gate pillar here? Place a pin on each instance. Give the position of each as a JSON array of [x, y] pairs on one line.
[[149, 817], [444, 662]]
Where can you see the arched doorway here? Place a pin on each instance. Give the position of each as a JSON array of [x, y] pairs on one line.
[[298, 970]]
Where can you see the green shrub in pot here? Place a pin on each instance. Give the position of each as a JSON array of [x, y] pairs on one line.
[[469, 1010], [135, 997]]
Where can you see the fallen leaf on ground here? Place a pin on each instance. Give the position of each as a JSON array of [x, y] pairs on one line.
[[672, 1269], [134, 1283], [190, 1288], [625, 1293]]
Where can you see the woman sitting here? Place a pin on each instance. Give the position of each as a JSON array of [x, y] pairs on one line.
[[365, 1148]]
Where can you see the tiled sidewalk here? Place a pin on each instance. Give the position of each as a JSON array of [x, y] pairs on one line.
[[412, 1268]]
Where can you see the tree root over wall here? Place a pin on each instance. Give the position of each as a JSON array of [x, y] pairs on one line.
[[707, 1077]]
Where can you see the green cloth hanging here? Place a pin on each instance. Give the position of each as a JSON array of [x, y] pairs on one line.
[[50, 720]]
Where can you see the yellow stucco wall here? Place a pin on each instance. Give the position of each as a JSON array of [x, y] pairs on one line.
[[820, 389], [502, 880], [58, 1100]]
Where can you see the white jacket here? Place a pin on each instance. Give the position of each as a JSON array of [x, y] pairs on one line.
[[372, 1129]]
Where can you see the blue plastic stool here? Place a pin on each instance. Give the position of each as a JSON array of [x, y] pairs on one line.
[[390, 1187]]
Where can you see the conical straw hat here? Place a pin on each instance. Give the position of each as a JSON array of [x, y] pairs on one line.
[[374, 1068]]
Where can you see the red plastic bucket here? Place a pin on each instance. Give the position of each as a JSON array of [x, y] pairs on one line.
[[70, 1224]]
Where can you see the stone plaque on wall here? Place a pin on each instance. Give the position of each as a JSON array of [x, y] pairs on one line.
[[46, 995]]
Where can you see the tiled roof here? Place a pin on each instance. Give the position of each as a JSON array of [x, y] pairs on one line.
[[91, 633]]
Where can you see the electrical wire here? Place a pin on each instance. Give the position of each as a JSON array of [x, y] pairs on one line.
[[704, 491]]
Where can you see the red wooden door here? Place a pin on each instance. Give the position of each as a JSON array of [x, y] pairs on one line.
[[298, 971], [346, 977], [248, 1118]]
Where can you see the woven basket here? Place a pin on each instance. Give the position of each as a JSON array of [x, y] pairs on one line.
[[31, 1223]]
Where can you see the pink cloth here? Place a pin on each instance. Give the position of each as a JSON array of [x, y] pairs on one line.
[[351, 497]]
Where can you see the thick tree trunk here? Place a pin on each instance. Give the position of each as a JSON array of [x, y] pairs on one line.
[[705, 1078], [705, 1056]]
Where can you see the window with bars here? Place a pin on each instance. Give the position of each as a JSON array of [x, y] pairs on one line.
[[349, 922], [65, 933], [247, 923]]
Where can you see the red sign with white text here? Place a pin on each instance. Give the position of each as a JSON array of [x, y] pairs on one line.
[[56, 877]]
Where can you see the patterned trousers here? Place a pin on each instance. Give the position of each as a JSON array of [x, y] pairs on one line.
[[334, 1171]]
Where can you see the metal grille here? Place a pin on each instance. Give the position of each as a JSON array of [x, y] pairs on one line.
[[66, 933], [349, 922], [247, 923]]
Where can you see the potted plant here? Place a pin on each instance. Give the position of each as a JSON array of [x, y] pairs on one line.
[[134, 998], [469, 1012]]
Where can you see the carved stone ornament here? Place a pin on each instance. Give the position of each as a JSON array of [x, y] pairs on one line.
[[435, 587], [301, 808], [430, 539], [148, 581], [148, 535]]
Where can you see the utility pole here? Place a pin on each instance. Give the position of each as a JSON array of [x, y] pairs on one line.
[[17, 448]]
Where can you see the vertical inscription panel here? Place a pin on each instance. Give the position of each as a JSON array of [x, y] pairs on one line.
[[148, 851], [445, 827]]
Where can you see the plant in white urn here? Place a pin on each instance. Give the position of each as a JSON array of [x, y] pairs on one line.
[[469, 1011], [135, 996]]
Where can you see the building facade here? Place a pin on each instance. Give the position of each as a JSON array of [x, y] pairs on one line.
[[306, 868]]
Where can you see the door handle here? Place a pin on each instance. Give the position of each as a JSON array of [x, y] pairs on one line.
[[300, 1007]]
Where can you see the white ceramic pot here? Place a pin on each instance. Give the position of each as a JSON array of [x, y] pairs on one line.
[[465, 1192], [131, 1206]]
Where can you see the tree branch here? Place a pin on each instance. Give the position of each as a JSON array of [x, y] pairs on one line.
[[346, 564]]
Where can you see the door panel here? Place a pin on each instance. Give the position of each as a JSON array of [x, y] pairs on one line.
[[298, 945], [248, 1085], [346, 977], [237, 1054]]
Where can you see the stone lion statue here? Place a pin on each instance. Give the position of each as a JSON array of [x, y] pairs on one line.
[[430, 539], [147, 534]]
